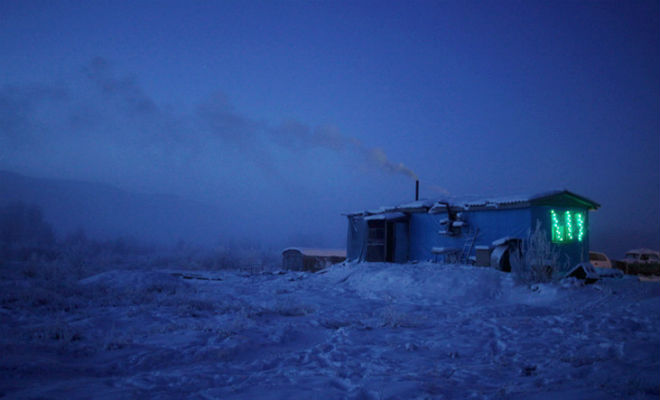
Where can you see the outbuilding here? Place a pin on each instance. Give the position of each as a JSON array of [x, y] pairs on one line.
[[310, 259], [470, 230]]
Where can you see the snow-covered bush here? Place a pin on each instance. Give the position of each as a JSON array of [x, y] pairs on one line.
[[136, 287], [248, 258], [536, 260]]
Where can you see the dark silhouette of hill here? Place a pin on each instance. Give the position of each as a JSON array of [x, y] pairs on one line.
[[105, 211]]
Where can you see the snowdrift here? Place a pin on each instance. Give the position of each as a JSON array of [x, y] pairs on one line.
[[357, 331]]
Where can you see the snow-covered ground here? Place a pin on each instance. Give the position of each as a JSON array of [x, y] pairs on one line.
[[357, 331]]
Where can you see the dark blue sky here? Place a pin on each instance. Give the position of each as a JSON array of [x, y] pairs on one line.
[[297, 111]]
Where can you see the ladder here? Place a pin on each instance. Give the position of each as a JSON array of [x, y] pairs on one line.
[[468, 245]]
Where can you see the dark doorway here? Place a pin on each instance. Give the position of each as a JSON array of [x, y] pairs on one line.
[[387, 240], [376, 240]]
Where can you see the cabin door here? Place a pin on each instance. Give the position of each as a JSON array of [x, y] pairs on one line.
[[387, 241], [376, 240]]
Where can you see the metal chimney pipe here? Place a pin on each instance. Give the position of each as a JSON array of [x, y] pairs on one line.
[[417, 190]]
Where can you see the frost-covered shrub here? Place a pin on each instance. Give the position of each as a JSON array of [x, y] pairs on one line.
[[290, 307], [83, 257], [128, 287], [248, 258], [537, 260], [39, 295]]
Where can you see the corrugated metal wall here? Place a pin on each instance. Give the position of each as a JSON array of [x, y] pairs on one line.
[[423, 232], [492, 224], [356, 238]]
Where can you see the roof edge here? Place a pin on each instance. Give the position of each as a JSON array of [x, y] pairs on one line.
[[591, 205]]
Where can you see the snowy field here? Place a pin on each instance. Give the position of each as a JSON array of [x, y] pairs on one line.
[[361, 331]]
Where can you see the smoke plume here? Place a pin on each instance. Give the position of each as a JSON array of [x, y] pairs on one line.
[[104, 125]]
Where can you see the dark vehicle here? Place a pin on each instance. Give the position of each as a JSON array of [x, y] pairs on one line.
[[640, 261]]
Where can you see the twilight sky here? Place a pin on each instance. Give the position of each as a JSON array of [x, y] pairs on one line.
[[288, 113]]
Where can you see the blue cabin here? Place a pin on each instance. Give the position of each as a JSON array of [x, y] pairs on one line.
[[470, 230]]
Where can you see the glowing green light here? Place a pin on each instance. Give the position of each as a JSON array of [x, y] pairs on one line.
[[568, 221], [580, 225], [557, 234], [571, 227]]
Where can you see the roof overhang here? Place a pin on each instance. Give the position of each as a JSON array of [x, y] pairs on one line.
[[563, 198], [395, 216]]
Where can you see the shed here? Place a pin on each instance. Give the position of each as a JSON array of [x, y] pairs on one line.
[[415, 231], [310, 259]]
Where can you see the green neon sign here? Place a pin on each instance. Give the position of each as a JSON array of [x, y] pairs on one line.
[[567, 226]]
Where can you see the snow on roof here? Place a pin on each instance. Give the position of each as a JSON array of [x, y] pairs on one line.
[[318, 252], [416, 206], [381, 210], [386, 216], [474, 202]]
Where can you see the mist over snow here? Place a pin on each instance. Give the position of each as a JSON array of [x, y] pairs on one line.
[[256, 178], [283, 115]]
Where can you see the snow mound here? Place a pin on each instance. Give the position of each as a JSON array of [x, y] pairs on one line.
[[150, 281], [354, 331], [424, 283]]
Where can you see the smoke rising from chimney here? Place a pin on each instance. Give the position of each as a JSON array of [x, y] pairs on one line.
[[379, 157], [298, 136], [112, 114]]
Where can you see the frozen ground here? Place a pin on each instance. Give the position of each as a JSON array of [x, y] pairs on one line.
[[369, 331]]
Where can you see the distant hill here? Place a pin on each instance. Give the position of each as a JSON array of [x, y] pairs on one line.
[[104, 211]]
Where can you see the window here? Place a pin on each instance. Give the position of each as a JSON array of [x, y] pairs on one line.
[[567, 226]]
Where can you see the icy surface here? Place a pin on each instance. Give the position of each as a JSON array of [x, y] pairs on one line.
[[357, 331]]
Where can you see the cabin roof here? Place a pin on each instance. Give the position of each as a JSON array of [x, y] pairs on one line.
[[554, 197]]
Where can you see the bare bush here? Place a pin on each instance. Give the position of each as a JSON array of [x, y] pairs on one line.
[[537, 259]]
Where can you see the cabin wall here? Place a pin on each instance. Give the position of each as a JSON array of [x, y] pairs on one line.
[[499, 223], [356, 239], [424, 235], [571, 253], [401, 242], [415, 239], [492, 224]]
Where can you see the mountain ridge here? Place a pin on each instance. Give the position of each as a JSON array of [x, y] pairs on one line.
[[106, 211]]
